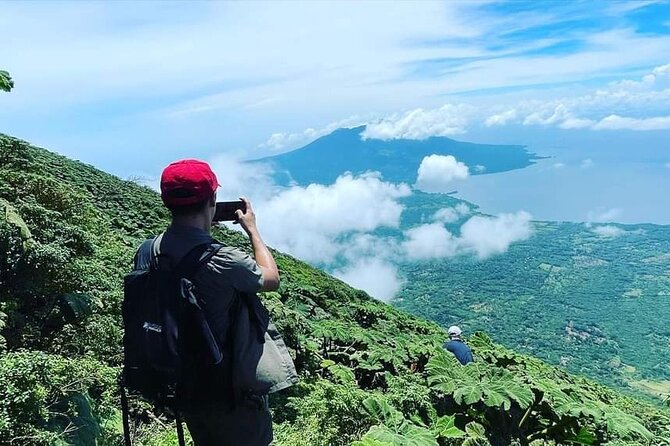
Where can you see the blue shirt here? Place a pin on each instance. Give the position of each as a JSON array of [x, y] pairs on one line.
[[460, 350]]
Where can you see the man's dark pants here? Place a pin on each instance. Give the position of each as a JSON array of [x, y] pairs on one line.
[[249, 424]]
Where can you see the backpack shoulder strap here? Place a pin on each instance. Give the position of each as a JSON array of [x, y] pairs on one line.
[[145, 257], [195, 258], [185, 272]]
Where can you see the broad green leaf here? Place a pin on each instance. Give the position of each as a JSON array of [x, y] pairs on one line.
[[409, 435], [494, 398], [369, 441], [468, 394], [624, 425], [444, 427], [475, 430]]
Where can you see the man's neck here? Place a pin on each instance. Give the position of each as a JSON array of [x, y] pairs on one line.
[[195, 221]]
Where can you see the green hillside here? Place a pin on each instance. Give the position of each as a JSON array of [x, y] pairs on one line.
[[592, 302], [370, 374]]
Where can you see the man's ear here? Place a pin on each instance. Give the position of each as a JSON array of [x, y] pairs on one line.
[[212, 200]]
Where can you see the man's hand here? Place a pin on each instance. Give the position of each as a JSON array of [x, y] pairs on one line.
[[247, 220]]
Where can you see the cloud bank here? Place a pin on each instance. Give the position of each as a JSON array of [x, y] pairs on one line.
[[450, 215], [616, 122], [487, 236], [431, 241], [308, 221], [377, 277], [448, 120], [333, 226], [483, 236]]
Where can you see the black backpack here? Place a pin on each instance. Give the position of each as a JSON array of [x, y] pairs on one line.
[[165, 330]]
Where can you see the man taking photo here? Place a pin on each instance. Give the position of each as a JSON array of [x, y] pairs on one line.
[[224, 402]]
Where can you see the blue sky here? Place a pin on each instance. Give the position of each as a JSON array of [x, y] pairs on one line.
[[129, 86]]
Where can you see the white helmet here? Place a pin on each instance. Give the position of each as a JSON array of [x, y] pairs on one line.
[[454, 331]]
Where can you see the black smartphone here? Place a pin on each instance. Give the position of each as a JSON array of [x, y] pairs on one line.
[[225, 210]]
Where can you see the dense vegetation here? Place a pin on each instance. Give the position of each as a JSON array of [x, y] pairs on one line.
[[594, 303], [371, 374]]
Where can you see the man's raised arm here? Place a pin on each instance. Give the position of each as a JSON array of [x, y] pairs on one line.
[[262, 254]]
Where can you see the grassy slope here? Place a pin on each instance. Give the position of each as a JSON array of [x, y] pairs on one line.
[[68, 232], [567, 295]]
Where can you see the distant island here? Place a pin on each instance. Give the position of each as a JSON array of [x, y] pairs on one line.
[[323, 160]]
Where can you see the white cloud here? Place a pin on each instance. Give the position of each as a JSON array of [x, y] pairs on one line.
[[436, 172], [329, 224], [481, 235], [239, 179], [365, 245], [487, 236], [658, 79], [604, 215], [575, 123], [648, 95], [307, 221], [450, 215], [559, 165], [429, 241], [608, 231], [447, 120], [559, 115], [377, 277], [586, 163], [616, 122], [501, 118], [283, 141]]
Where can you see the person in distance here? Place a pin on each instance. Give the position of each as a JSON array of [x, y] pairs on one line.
[[456, 345]]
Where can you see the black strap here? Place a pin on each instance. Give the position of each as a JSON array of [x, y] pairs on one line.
[[186, 268], [180, 429], [124, 412], [191, 262]]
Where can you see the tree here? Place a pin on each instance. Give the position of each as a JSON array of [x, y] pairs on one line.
[[6, 82]]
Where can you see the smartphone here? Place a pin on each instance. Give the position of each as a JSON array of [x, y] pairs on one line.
[[225, 210]]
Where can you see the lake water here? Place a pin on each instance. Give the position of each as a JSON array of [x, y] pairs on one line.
[[617, 182]]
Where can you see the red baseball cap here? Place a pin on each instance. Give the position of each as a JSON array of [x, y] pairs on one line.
[[187, 182]]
